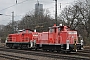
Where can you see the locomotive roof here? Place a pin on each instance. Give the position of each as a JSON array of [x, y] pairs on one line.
[[59, 27], [28, 29]]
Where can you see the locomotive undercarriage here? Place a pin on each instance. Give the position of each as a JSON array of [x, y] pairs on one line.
[[20, 45], [46, 47], [61, 47]]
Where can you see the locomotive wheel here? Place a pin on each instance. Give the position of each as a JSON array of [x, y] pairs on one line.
[[11, 47], [67, 52], [15, 47], [20, 46], [36, 49], [44, 50], [58, 51], [51, 50]]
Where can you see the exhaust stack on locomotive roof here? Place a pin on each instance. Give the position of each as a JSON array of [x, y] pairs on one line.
[[34, 30]]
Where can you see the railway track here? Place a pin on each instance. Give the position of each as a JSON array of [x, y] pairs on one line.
[[26, 55], [13, 57], [85, 51]]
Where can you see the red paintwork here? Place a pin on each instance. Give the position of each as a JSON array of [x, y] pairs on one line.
[[24, 36], [58, 36], [54, 36]]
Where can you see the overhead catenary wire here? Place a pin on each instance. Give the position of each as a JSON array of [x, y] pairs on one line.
[[14, 5]]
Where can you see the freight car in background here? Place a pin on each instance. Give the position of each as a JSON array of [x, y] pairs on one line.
[[58, 38]]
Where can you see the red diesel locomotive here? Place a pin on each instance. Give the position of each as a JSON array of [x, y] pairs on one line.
[[58, 38]]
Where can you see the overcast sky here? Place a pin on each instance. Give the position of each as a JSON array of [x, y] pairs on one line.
[[24, 6]]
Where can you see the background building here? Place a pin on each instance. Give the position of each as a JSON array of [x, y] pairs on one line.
[[38, 9]]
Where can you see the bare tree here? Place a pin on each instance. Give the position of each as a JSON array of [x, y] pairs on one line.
[[77, 17], [39, 22]]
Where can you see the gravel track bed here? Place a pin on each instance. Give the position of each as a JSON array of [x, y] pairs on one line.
[[43, 55], [85, 51], [18, 56]]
